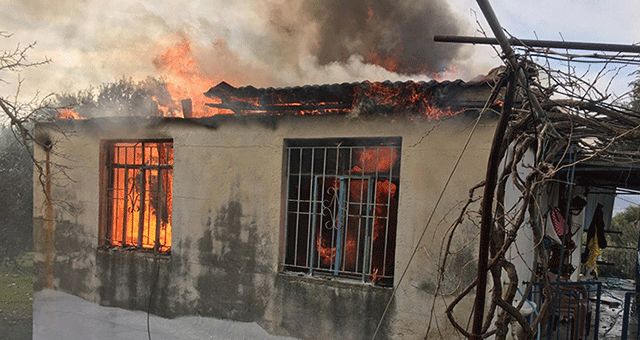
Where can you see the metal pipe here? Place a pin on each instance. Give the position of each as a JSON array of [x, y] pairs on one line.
[[571, 45], [491, 18]]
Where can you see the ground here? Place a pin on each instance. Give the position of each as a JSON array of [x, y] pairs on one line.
[[61, 316], [16, 299]]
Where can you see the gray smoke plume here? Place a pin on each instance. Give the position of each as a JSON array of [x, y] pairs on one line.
[[394, 34], [259, 42]]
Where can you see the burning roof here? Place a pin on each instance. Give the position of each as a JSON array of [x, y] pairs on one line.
[[432, 99]]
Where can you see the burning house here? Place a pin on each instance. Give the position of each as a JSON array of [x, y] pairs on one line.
[[297, 208]]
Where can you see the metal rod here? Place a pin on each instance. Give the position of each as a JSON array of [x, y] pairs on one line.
[[312, 237], [143, 185], [158, 207], [301, 161], [571, 45], [626, 315], [125, 193], [311, 220], [341, 211], [369, 225]]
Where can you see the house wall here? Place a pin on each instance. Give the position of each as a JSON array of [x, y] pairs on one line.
[[228, 236]]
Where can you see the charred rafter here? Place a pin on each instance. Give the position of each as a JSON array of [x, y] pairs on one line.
[[362, 98]]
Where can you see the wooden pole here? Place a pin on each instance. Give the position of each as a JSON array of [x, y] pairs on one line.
[[492, 174], [486, 219]]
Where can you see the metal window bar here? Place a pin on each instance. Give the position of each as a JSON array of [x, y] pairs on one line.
[[310, 221], [312, 171], [340, 225], [570, 318], [142, 192], [138, 191], [288, 175]]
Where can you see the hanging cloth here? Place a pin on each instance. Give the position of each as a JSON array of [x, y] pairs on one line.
[[558, 227], [593, 251], [596, 228], [595, 239]]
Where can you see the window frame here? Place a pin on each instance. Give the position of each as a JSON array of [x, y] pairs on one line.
[[163, 197], [301, 254]]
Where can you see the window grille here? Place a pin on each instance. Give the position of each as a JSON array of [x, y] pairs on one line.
[[342, 199], [139, 184]]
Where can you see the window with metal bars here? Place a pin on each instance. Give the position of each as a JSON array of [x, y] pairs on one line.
[[342, 204], [137, 194]]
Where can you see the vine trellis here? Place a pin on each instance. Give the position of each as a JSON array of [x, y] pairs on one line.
[[559, 120]]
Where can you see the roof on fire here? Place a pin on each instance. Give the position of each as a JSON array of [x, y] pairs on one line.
[[362, 97]]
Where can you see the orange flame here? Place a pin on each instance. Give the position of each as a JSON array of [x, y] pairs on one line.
[[447, 73], [370, 13], [370, 160], [384, 204], [186, 79], [68, 114], [388, 61], [327, 253], [129, 211], [410, 96]]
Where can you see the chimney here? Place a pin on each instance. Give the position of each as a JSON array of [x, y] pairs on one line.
[[187, 110], [153, 109]]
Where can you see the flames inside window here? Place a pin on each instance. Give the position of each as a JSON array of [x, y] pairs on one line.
[[139, 194], [342, 199]]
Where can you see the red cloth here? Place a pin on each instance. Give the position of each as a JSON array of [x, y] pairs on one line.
[[558, 221]]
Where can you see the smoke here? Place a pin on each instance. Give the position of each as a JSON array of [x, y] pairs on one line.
[[394, 34], [252, 42]]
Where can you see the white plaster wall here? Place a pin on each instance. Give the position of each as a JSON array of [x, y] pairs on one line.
[[241, 160], [522, 254]]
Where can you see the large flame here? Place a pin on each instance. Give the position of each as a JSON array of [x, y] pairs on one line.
[[133, 211], [353, 229], [186, 79], [409, 96]]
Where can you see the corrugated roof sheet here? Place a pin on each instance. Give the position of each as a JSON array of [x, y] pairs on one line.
[[387, 97]]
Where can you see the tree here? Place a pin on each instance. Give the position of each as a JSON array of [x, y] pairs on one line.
[[12, 62], [16, 141], [621, 249], [16, 198], [124, 97], [625, 222]]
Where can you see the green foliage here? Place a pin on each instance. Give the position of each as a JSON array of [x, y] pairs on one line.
[[125, 97], [627, 223], [16, 298], [624, 260], [16, 198]]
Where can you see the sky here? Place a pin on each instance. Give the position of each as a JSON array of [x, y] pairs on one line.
[[284, 42]]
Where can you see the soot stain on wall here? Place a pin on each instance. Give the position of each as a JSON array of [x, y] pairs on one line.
[[337, 309], [230, 285], [135, 281], [73, 265]]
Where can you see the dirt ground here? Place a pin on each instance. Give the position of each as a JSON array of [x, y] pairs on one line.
[[16, 299]]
